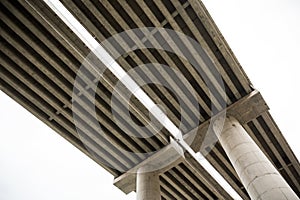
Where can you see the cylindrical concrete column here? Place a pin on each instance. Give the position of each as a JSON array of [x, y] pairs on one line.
[[147, 184], [258, 175]]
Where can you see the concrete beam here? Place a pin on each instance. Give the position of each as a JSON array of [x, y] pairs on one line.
[[161, 161], [221, 43], [248, 107], [244, 110], [206, 177]]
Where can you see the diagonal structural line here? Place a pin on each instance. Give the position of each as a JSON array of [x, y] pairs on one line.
[[131, 85], [115, 68]]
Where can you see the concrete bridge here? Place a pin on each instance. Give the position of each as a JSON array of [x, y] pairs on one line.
[[207, 97]]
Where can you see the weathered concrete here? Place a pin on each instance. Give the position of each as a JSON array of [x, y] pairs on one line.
[[148, 184], [32, 90], [245, 109], [161, 161], [258, 175]]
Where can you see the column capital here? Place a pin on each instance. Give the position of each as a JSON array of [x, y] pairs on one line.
[[244, 110]]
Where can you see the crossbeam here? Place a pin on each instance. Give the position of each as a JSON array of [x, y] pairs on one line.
[[246, 109]]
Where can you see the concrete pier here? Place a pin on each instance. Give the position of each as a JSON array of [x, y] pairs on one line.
[[147, 184], [258, 175]]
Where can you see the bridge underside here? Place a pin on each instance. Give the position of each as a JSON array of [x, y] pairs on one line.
[[40, 57]]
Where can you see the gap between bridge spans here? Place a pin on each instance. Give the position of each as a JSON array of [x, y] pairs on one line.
[[76, 27]]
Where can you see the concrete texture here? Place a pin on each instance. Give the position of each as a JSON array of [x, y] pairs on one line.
[[41, 82], [148, 184], [258, 175]]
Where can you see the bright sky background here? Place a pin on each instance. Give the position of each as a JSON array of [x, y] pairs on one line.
[[36, 163]]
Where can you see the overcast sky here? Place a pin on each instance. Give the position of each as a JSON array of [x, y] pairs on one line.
[[36, 163]]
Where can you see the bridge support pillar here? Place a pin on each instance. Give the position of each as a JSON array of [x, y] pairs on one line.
[[258, 175], [147, 184]]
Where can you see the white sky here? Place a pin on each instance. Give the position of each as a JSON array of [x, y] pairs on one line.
[[36, 163]]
